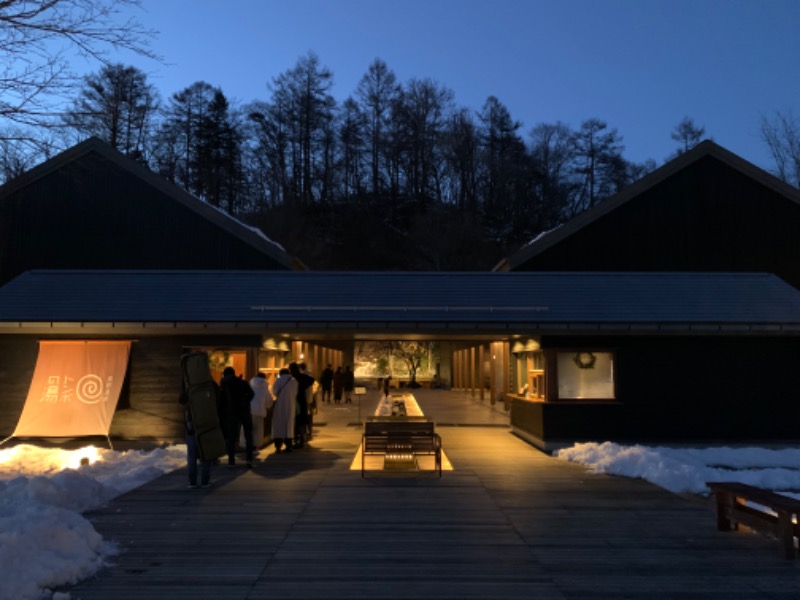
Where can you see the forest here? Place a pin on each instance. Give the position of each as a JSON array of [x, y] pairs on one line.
[[395, 176]]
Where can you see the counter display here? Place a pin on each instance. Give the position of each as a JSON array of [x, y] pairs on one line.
[[398, 405]]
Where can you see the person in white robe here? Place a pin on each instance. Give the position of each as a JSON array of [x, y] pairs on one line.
[[284, 392], [262, 400]]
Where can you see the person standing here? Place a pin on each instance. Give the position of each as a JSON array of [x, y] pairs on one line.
[[311, 401], [258, 408], [387, 381], [304, 381], [192, 454], [349, 384], [284, 398], [238, 394], [326, 381], [338, 384]]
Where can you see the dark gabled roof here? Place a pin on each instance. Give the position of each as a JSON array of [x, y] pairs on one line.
[[704, 149], [232, 226], [431, 300]]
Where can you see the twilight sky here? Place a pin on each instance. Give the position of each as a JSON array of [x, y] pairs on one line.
[[638, 65]]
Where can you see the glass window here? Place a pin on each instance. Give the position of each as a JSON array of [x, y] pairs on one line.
[[530, 374], [586, 375]]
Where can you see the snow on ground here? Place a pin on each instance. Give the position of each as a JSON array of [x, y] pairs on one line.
[[45, 542], [685, 470]]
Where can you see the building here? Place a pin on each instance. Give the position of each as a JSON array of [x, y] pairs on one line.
[[658, 350], [707, 210], [91, 207]]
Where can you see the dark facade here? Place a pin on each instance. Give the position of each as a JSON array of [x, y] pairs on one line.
[[93, 208], [707, 210], [676, 389]]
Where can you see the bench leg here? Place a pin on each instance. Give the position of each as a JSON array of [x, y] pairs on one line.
[[786, 531], [725, 503]]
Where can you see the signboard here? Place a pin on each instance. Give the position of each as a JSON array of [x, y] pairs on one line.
[[75, 388]]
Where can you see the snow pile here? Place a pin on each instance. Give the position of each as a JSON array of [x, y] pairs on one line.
[[686, 470], [45, 542]]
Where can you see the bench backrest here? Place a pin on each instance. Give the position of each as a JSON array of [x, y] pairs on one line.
[[395, 428], [758, 495]]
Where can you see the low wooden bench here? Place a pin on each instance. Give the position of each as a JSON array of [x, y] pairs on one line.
[[732, 510], [401, 439]]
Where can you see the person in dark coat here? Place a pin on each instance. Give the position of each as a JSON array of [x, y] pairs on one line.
[[304, 382], [237, 394], [349, 384], [338, 384], [326, 382], [192, 452]]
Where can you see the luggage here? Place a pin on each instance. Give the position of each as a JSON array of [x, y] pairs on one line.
[[210, 444], [201, 392], [195, 369], [203, 406]]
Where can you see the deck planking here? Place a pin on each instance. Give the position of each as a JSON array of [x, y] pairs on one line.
[[508, 522]]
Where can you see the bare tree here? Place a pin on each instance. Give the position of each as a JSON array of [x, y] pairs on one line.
[[118, 106], [552, 148], [597, 154], [36, 42], [376, 91], [782, 136], [688, 134]]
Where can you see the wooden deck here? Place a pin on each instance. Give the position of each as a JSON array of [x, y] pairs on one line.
[[508, 522]]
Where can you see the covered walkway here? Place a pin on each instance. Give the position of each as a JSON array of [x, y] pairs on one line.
[[508, 522]]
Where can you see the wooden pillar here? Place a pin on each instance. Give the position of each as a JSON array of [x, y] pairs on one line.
[[464, 378], [493, 372], [471, 359], [456, 370], [481, 359]]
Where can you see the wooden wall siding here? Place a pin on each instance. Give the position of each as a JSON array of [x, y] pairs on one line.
[[708, 217], [148, 408], [17, 361], [692, 388], [568, 422], [93, 214], [151, 409]]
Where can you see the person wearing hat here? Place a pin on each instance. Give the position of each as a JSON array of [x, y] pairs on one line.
[[237, 394]]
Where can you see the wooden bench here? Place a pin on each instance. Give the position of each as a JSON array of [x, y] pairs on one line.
[[732, 510], [401, 440]]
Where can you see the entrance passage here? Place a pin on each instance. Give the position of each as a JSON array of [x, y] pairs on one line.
[[454, 408]]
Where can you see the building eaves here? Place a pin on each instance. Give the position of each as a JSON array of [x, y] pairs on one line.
[[457, 301]]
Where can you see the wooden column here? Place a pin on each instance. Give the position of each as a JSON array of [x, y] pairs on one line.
[[472, 371], [457, 370], [493, 372], [463, 376], [481, 359]]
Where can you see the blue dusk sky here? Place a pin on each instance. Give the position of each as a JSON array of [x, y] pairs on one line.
[[638, 65]]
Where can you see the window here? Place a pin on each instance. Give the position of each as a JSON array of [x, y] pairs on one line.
[[530, 374], [585, 375]]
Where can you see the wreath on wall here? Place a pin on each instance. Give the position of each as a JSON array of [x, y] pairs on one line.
[[218, 360], [584, 360]]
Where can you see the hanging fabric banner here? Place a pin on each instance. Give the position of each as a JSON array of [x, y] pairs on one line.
[[75, 389]]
